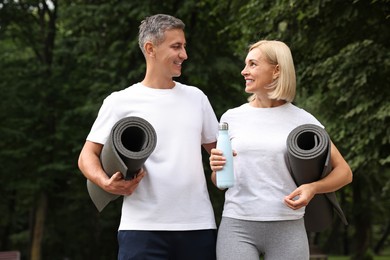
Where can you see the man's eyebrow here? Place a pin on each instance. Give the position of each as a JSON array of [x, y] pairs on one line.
[[179, 43]]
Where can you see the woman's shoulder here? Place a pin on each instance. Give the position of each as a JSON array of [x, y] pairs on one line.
[[302, 115], [235, 112]]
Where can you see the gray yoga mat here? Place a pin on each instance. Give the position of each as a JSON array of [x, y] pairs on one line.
[[129, 145], [308, 154]]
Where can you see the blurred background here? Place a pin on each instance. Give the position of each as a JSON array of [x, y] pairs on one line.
[[60, 59]]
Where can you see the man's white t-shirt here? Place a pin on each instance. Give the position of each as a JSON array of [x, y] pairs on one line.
[[262, 178], [173, 194]]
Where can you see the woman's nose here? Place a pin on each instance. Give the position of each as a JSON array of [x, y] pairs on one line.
[[244, 72]]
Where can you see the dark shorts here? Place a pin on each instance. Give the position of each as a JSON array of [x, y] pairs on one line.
[[167, 245]]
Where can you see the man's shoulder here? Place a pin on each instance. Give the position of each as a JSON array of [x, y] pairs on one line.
[[188, 88], [123, 92]]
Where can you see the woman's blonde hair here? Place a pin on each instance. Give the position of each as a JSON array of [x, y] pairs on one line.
[[278, 53]]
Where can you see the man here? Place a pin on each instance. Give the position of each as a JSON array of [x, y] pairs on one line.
[[166, 212]]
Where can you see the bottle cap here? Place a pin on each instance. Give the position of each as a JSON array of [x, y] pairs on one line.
[[223, 126]]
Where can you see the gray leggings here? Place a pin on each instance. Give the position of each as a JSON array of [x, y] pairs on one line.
[[275, 240]]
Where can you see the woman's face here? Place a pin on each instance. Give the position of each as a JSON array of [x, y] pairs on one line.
[[258, 72]]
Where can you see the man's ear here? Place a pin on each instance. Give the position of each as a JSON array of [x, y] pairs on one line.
[[149, 49]]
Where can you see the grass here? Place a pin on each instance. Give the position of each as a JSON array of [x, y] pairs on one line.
[[348, 258]]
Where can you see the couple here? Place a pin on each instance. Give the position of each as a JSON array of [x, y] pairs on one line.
[[166, 212]]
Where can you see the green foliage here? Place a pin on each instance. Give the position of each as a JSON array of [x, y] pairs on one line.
[[58, 60]]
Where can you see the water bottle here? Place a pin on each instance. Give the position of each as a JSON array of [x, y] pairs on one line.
[[225, 176]]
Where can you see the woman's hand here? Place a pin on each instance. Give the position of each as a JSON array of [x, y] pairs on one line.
[[217, 160], [300, 197]]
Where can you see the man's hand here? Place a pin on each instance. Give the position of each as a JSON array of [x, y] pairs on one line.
[[119, 186]]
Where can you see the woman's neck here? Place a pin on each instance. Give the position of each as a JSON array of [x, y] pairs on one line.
[[266, 102]]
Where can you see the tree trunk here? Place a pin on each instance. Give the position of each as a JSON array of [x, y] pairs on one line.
[[379, 246], [38, 228], [362, 217]]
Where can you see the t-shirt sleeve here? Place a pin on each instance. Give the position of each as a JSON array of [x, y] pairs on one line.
[[308, 118], [105, 120], [210, 122]]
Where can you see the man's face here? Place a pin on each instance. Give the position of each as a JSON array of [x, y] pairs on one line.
[[170, 54]]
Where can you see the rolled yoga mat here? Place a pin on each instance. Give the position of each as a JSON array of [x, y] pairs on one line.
[[131, 141], [308, 154]]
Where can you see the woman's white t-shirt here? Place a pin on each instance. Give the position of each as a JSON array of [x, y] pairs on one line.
[[262, 178]]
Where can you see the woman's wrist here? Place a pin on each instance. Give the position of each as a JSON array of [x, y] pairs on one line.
[[214, 177]]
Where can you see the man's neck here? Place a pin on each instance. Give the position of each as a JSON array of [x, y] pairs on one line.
[[157, 81]]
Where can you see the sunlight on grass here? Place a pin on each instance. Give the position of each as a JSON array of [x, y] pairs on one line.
[[348, 258]]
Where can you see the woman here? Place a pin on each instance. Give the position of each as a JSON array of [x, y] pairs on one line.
[[263, 211]]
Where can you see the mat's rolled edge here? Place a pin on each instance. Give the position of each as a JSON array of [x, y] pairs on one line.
[[318, 213], [112, 161], [145, 127], [133, 160]]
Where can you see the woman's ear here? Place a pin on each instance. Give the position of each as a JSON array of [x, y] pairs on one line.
[[276, 72]]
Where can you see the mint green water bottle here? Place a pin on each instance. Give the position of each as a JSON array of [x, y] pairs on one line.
[[225, 176]]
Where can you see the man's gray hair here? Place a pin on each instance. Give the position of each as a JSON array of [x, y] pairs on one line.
[[152, 29]]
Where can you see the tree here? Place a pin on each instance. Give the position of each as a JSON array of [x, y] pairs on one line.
[[59, 59], [69, 56], [33, 25]]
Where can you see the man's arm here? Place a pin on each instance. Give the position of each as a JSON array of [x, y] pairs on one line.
[[209, 146]]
